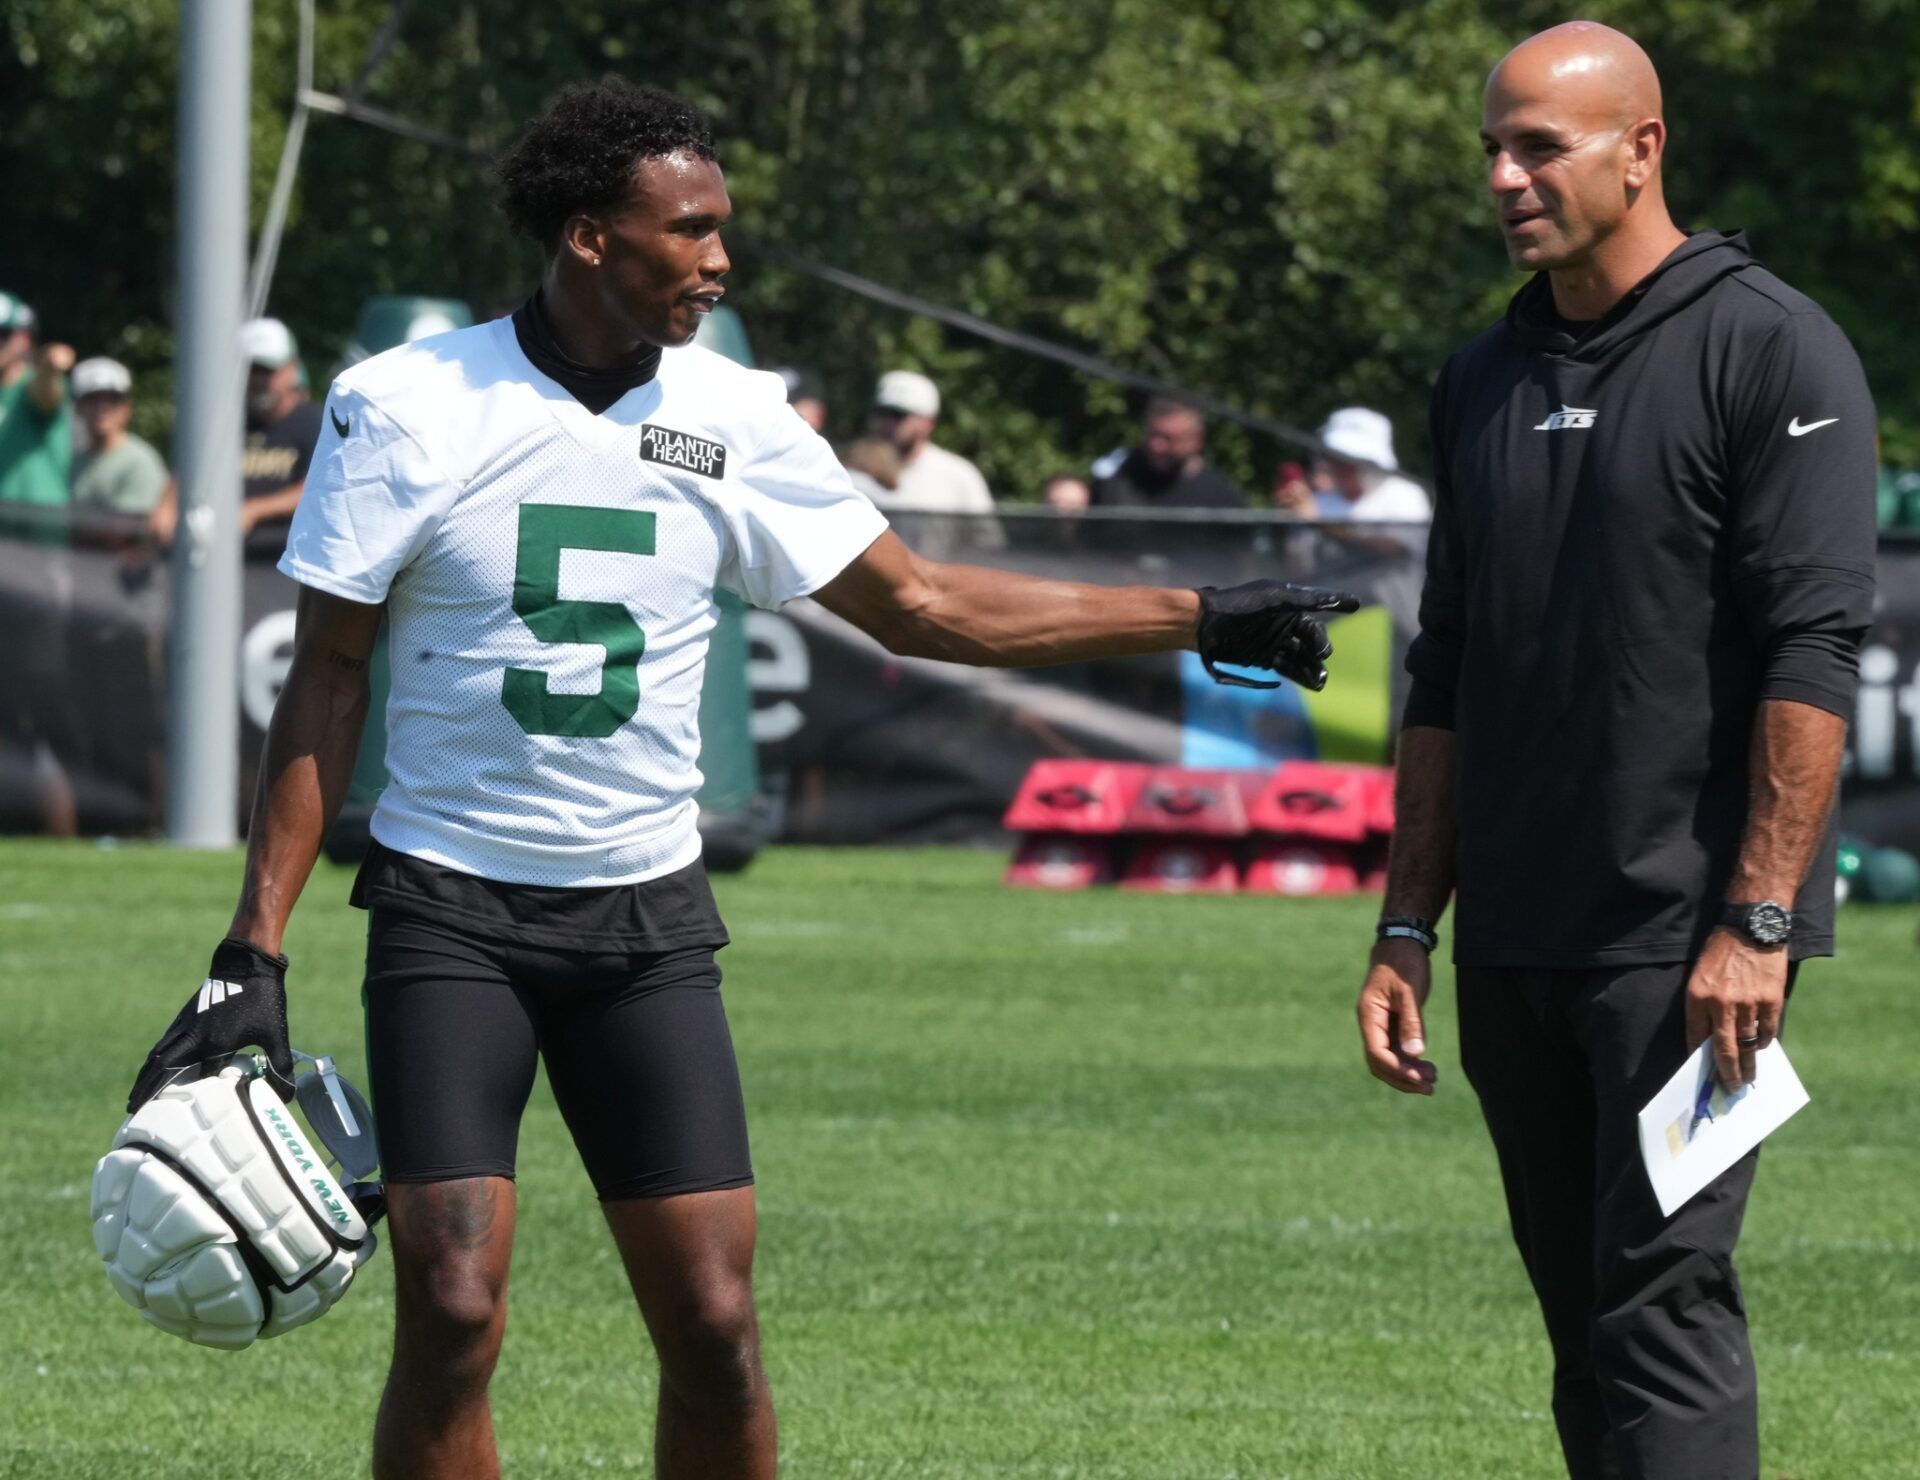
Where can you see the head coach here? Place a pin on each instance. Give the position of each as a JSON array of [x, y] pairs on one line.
[[1650, 570]]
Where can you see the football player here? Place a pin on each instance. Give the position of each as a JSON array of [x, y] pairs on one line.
[[542, 509]]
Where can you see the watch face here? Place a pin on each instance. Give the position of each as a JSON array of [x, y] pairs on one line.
[[1769, 923]]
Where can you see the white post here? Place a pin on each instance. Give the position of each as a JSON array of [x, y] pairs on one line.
[[203, 695]]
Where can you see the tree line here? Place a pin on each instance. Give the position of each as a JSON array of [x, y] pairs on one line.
[[1278, 202]]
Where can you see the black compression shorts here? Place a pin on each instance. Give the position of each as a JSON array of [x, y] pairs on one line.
[[635, 1042]]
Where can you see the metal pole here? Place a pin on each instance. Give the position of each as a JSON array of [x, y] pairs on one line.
[[266, 252], [203, 693]]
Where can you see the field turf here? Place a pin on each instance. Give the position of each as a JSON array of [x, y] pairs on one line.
[[1081, 1186]]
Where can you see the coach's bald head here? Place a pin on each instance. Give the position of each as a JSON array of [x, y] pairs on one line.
[[1573, 133], [1593, 69]]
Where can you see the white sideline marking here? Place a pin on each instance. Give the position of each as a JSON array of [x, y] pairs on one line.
[[1094, 935]]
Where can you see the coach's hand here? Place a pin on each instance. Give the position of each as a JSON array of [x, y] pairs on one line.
[[1398, 980], [242, 1002], [1735, 996], [1268, 624]]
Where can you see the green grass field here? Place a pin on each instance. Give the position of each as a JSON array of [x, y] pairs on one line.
[[1072, 1186]]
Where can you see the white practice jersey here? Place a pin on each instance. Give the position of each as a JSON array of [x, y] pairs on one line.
[[550, 579]]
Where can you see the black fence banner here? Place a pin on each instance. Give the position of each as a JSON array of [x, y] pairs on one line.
[[855, 745], [867, 747]]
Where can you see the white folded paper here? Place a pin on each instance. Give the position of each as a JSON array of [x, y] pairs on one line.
[[1693, 1130]]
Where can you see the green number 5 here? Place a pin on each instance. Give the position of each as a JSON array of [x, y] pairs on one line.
[[546, 530]]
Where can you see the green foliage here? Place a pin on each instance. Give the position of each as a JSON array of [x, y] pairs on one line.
[[1277, 201], [1089, 1185]]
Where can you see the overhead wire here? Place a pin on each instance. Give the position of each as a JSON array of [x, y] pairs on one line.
[[308, 99]]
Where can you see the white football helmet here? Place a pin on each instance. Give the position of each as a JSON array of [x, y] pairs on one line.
[[220, 1219]]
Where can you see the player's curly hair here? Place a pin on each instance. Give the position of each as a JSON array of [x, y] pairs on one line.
[[579, 154]]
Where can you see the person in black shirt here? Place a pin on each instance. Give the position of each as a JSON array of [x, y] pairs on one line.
[[1169, 470], [1650, 571], [283, 427], [283, 424]]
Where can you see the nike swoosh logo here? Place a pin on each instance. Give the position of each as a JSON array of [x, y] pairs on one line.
[[1794, 429], [341, 426]]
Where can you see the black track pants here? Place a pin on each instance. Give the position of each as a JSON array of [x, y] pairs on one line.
[[1652, 1372]]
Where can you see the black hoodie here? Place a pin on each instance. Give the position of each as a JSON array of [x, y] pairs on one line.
[[1644, 526]]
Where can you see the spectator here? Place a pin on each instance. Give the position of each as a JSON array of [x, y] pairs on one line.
[[873, 465], [1067, 493], [1367, 487], [36, 424], [119, 473], [806, 396], [1169, 469], [36, 453], [282, 426], [906, 407], [1294, 487]]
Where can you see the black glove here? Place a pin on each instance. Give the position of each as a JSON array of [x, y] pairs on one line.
[[1265, 624], [242, 1002]]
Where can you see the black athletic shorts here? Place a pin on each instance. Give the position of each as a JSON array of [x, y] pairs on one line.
[[635, 1042]]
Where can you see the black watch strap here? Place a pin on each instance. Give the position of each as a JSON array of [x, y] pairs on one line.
[[1408, 927], [1765, 922]]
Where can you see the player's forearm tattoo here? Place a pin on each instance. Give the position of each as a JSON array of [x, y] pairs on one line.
[[346, 662], [459, 1214]]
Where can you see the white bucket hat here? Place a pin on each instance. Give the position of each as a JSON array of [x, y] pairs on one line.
[[1361, 435]]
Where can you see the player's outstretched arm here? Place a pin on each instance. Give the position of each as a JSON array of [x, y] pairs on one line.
[[1000, 619], [312, 741]]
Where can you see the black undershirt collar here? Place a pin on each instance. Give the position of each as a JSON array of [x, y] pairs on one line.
[[593, 388]]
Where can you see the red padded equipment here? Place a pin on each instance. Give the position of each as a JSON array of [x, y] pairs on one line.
[[1194, 804], [1058, 861], [1310, 799], [1301, 869], [1075, 797], [1182, 866]]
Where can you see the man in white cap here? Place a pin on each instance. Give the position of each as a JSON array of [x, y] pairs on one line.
[[906, 406], [1367, 487], [119, 473], [283, 425]]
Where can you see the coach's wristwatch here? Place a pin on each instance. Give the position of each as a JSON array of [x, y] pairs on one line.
[[1766, 924], [1408, 927]]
